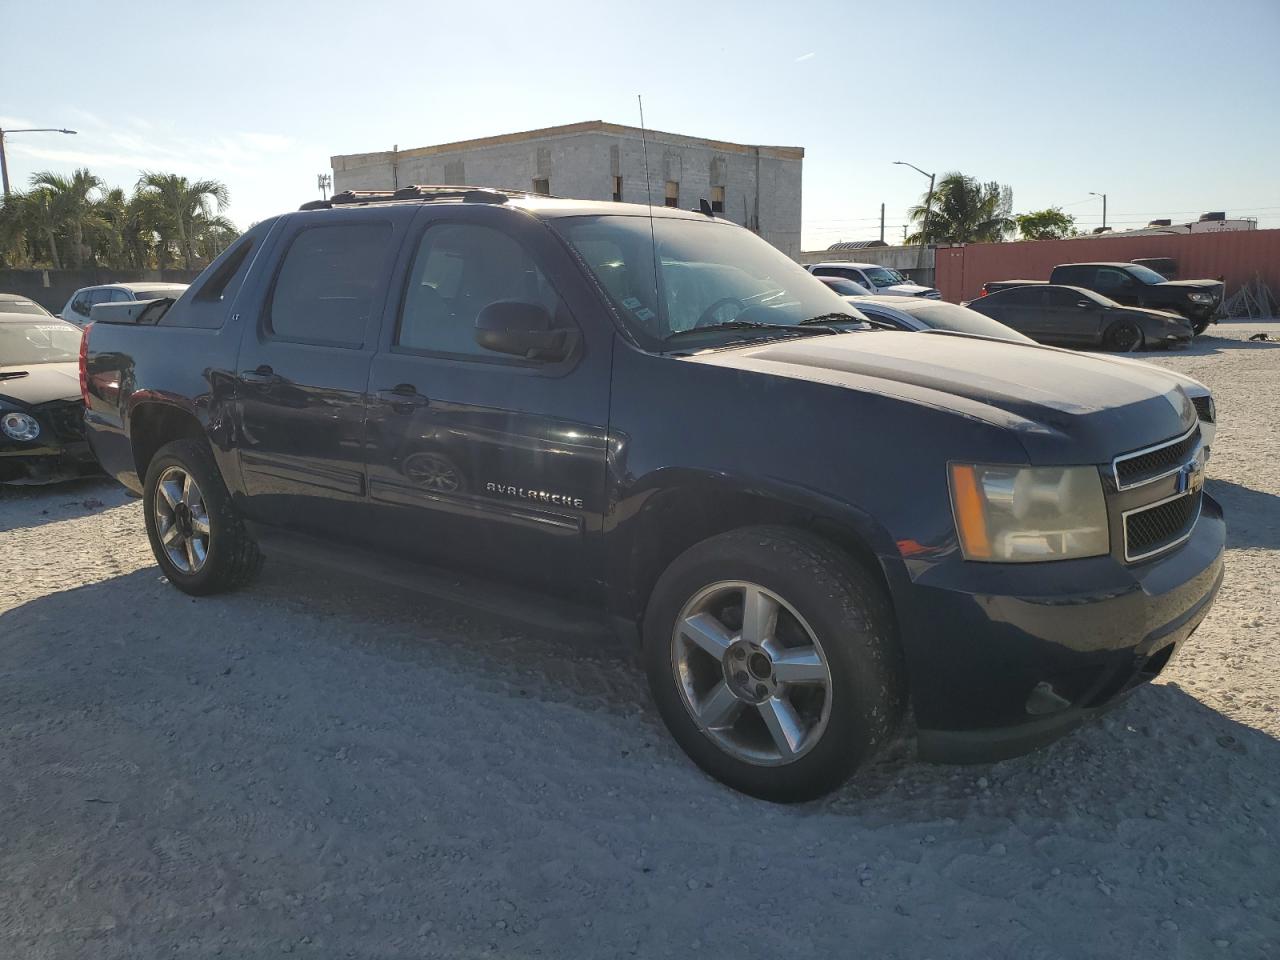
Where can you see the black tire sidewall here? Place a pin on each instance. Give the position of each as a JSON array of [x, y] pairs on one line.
[[847, 609], [1110, 337], [195, 459]]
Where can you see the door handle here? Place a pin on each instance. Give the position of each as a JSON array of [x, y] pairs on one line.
[[403, 396], [262, 374]]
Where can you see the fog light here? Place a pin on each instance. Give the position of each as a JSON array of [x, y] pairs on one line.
[[20, 426]]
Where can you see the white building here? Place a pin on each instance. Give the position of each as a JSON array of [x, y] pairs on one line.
[[756, 186]]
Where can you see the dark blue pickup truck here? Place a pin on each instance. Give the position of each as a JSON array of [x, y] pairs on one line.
[[599, 412]]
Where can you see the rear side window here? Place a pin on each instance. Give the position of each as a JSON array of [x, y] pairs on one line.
[[328, 286], [1022, 297]]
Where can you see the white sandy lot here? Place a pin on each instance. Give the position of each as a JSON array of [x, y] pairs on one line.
[[331, 769]]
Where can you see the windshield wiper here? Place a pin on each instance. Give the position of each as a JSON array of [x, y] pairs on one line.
[[759, 325], [830, 317]]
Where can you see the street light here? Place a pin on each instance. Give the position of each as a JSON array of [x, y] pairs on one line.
[[4, 164], [1104, 207], [928, 200]]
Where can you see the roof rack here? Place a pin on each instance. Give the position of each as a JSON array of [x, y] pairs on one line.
[[417, 192]]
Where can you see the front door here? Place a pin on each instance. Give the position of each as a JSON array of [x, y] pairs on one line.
[[303, 372], [481, 461], [1071, 317]]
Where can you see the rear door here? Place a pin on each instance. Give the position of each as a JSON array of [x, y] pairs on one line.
[[1019, 308], [303, 369], [483, 461], [1070, 317]]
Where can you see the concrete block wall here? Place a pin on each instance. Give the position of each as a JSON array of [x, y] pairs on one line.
[[582, 164]]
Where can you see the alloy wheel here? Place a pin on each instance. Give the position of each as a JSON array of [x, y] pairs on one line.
[[182, 520], [751, 673]]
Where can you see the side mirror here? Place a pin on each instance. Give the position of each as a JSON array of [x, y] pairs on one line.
[[523, 330]]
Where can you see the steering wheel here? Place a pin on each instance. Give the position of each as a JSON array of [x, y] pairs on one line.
[[708, 315]]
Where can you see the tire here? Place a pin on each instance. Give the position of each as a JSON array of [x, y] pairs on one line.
[[230, 556], [824, 601], [1200, 326], [1123, 336]]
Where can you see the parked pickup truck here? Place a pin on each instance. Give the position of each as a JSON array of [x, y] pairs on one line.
[[594, 412], [1134, 285]]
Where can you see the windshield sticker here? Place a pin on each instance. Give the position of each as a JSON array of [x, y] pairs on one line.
[[644, 313]]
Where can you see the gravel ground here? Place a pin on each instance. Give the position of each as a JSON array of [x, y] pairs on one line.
[[273, 772]]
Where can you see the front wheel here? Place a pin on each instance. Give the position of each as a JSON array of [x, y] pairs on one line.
[[774, 662], [1200, 326], [196, 533]]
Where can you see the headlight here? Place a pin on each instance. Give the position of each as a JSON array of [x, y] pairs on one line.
[[1008, 514], [20, 426], [1200, 297]]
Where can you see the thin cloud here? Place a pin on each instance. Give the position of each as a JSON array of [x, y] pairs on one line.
[[807, 56]]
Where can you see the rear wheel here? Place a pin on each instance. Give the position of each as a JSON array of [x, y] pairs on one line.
[[774, 662], [1123, 336], [196, 533]]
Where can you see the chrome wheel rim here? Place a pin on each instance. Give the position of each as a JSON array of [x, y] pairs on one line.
[[182, 520], [751, 673]]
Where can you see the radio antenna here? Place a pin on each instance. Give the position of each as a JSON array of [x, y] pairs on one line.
[[648, 187]]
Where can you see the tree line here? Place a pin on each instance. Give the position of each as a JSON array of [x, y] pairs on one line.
[[78, 221], [966, 210]]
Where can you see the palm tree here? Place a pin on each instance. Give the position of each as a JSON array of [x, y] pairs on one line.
[[183, 204], [964, 211], [73, 204], [43, 223]]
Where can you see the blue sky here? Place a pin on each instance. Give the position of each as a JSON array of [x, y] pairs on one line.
[[1171, 108]]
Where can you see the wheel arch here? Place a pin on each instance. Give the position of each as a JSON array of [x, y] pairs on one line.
[[676, 517], [154, 423]]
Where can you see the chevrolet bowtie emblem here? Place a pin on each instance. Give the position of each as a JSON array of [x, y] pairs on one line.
[[1191, 476]]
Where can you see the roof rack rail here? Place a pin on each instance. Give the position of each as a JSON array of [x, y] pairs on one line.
[[417, 192]]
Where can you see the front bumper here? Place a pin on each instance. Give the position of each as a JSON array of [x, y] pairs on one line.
[[46, 463], [1005, 658]]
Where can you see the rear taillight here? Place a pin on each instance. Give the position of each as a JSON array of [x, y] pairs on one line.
[[982, 292], [84, 364]]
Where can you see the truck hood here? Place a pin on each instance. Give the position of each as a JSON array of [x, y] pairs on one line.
[[1064, 407], [1192, 284], [36, 383]]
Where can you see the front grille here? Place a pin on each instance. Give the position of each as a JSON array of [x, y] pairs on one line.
[[66, 417], [1151, 529], [1143, 466], [1204, 408]]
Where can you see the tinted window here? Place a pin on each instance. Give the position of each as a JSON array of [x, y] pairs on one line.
[[328, 286], [1074, 276], [1064, 298], [1145, 274], [123, 296], [1019, 297], [876, 313], [458, 270], [1110, 279]]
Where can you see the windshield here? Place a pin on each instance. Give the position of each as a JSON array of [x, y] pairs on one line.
[[949, 316], [48, 342], [1145, 274], [23, 306], [884, 277], [174, 292], [708, 273]]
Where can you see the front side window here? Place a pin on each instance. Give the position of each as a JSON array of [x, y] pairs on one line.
[[43, 341], [1021, 297], [328, 284], [709, 273], [1109, 279], [458, 270], [1144, 274]]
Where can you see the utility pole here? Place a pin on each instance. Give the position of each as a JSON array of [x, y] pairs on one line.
[[4, 163], [1104, 207], [324, 181], [882, 223]]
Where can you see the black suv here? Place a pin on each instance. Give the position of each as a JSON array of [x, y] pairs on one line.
[[655, 417]]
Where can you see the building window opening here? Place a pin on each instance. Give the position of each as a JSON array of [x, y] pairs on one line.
[[542, 186], [717, 199], [617, 189], [673, 193]]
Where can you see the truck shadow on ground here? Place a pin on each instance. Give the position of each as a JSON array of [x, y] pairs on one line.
[[1253, 516]]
